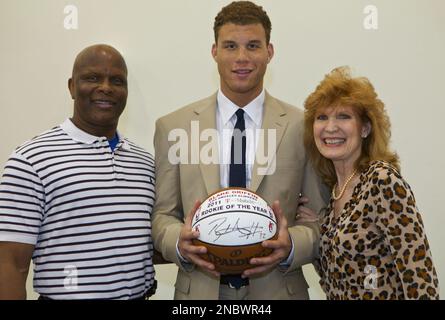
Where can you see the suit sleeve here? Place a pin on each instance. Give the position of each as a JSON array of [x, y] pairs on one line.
[[168, 215], [306, 234]]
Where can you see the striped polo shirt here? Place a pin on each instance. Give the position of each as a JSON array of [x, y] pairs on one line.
[[87, 211]]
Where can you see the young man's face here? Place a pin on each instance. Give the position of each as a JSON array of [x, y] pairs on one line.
[[242, 55]]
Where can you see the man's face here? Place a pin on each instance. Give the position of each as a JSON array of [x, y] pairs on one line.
[[99, 90], [242, 55]]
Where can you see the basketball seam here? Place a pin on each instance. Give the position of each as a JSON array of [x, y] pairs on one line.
[[236, 211], [226, 245]]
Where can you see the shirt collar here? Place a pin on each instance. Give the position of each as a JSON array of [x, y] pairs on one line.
[[84, 137], [253, 109]]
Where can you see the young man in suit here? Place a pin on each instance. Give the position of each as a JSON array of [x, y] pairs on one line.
[[242, 51]]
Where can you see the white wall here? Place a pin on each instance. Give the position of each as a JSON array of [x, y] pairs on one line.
[[167, 48]]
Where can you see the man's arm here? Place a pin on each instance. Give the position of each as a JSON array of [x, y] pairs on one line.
[[306, 233], [21, 200], [15, 259], [168, 216], [171, 230]]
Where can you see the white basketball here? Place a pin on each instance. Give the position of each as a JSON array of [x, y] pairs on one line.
[[232, 224]]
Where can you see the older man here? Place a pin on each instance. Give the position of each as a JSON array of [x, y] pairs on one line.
[[77, 199]]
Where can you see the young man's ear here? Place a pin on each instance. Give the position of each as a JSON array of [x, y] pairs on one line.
[[214, 51], [271, 51]]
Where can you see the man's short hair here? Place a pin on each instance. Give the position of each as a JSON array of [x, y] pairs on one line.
[[242, 13]]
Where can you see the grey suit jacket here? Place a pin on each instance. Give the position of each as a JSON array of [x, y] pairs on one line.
[[178, 186]]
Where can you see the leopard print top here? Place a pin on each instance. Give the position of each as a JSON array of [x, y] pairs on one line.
[[377, 247]]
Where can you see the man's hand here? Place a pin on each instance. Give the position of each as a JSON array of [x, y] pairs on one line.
[[281, 246], [304, 214], [188, 250]]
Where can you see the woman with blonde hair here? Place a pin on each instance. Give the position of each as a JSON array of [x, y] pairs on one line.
[[373, 243]]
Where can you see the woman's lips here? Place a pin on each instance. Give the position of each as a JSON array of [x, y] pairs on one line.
[[334, 141]]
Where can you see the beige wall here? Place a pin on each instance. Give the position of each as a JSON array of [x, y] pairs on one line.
[[167, 48]]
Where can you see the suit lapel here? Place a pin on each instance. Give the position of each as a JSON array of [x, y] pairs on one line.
[[207, 120], [274, 118]]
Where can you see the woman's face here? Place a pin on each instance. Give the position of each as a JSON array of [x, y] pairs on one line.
[[338, 134]]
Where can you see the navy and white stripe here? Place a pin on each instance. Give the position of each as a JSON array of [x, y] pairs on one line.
[[87, 211]]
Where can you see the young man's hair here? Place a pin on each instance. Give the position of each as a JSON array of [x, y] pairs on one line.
[[242, 13]]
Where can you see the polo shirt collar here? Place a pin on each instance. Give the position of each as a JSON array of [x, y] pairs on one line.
[[84, 137]]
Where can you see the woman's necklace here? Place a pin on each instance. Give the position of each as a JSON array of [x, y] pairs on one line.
[[342, 191]]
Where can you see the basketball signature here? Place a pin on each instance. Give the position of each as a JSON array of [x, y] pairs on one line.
[[222, 228]]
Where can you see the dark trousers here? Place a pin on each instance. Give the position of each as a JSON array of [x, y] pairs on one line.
[[145, 296]]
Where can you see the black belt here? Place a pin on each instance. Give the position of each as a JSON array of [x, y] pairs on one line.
[[234, 281], [145, 296]]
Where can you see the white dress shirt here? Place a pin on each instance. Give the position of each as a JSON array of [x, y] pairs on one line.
[[225, 123]]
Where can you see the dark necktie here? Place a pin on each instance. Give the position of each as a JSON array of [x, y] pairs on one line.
[[237, 174]]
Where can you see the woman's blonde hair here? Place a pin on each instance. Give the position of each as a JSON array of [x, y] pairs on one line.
[[339, 88]]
